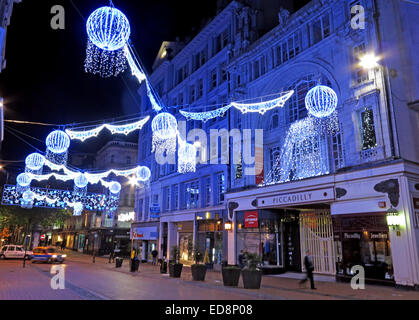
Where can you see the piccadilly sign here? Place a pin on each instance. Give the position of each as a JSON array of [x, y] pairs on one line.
[[287, 199]]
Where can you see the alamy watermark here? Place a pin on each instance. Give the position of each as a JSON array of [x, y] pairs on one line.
[[221, 146], [358, 17], [58, 20], [58, 280], [358, 280]]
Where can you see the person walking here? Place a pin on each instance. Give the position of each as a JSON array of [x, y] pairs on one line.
[[242, 259], [154, 253], [112, 254], [63, 245], [308, 264]]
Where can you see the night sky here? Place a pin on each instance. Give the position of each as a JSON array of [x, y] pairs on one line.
[[45, 81]]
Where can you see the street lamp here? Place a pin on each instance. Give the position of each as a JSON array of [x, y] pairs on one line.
[[394, 220], [369, 61]]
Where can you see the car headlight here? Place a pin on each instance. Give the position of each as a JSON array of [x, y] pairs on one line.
[[54, 256], [64, 255]]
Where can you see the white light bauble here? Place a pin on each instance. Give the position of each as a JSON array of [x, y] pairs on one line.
[[58, 141], [321, 101], [186, 158], [81, 181], [35, 161], [115, 187], [108, 28], [28, 196], [143, 174], [164, 126], [23, 180]]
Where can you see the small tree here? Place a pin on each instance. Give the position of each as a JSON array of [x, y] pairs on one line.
[[253, 260], [175, 254]]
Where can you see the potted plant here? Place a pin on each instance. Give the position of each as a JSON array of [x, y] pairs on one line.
[[231, 276], [175, 268], [252, 275], [198, 270]]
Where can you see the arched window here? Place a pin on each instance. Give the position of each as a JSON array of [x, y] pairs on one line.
[[296, 104], [112, 158], [274, 121]]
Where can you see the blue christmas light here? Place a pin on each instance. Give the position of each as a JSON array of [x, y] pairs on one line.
[[35, 161], [108, 28], [115, 187], [321, 101], [81, 181], [23, 180], [28, 196], [58, 141], [143, 174], [186, 158], [164, 126]]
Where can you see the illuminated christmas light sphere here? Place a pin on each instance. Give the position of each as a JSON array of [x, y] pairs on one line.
[[58, 141], [321, 101], [81, 181], [164, 126], [115, 187], [77, 208], [35, 161], [186, 158], [143, 174], [28, 196], [24, 180], [108, 28]]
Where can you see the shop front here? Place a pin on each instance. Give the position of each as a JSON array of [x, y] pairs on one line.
[[363, 239], [144, 239], [185, 231], [210, 239]]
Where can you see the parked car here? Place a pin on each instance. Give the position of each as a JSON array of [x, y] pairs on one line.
[[12, 251], [48, 255]]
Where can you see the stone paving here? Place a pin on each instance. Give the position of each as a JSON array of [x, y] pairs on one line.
[[96, 281]]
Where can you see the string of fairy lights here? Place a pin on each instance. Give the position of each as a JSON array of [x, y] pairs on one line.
[[109, 52]]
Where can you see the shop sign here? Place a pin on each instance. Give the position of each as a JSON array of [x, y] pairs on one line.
[[355, 235], [144, 233], [378, 235], [251, 219], [297, 198]]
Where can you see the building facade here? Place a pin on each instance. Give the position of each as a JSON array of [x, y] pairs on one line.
[[327, 192]]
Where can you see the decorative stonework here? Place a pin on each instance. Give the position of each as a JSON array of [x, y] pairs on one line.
[[231, 207], [391, 187], [255, 203], [340, 192]]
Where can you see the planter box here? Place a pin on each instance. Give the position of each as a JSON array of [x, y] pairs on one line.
[[231, 277], [175, 270], [198, 272], [252, 279]]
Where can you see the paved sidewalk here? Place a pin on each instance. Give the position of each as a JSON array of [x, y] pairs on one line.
[[272, 286]]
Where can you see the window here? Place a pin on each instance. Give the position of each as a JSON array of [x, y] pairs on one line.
[[321, 28], [140, 209], [361, 75], [200, 86], [256, 72], [192, 194], [160, 88], [199, 59], [213, 79], [220, 187], [128, 160], [224, 73], [147, 208], [180, 100], [175, 197], [192, 94], [337, 147], [112, 158], [181, 74], [166, 194], [274, 158], [369, 139], [207, 191], [274, 121], [221, 41]]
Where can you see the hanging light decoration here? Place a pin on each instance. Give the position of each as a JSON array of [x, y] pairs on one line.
[[115, 189], [77, 208], [186, 158], [164, 126], [57, 143], [23, 182], [143, 174], [80, 184], [321, 101], [27, 199], [108, 30], [34, 163]]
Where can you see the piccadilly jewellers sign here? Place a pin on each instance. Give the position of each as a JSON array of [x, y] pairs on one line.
[[287, 199]]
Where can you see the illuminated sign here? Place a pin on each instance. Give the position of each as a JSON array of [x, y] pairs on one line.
[[251, 219], [126, 217]]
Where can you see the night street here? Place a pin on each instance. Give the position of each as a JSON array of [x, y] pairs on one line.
[[102, 281]]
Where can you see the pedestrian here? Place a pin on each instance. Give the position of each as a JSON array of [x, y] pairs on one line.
[[134, 261], [112, 254], [63, 245], [154, 253], [308, 264], [242, 259]]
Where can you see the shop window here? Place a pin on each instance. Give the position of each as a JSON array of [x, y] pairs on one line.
[[192, 194], [369, 138]]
